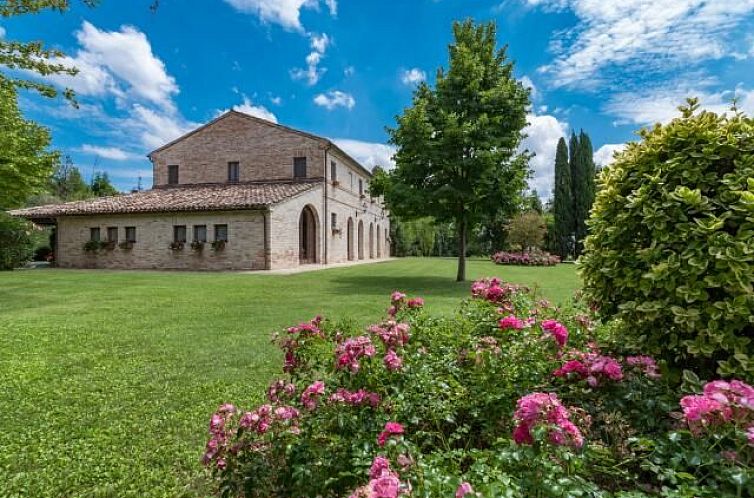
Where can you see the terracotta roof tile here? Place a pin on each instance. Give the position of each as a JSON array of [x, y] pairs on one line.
[[184, 198]]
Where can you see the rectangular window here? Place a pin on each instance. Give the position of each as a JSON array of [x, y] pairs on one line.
[[361, 187], [221, 233], [173, 174], [333, 171], [334, 220], [94, 234], [112, 234], [179, 233], [350, 177], [233, 174], [299, 167], [200, 233], [130, 234]]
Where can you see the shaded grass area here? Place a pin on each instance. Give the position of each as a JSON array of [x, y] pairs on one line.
[[108, 378]]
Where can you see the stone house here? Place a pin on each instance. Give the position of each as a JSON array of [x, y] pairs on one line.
[[239, 193]]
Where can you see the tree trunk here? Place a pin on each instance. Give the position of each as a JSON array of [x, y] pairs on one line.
[[461, 277]]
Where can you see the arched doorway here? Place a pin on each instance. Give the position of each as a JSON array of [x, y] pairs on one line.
[[308, 236], [387, 243], [371, 241], [361, 240], [349, 239], [379, 242]]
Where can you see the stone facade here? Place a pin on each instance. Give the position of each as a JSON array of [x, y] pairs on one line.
[[275, 219], [245, 249]]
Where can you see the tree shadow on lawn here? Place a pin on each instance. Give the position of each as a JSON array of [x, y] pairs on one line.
[[383, 285]]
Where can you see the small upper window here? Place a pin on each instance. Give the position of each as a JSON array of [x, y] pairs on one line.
[[112, 234], [200, 233], [361, 187], [94, 234], [334, 220], [130, 234], [179, 233], [173, 174], [299, 167], [221, 233], [233, 173], [333, 171]]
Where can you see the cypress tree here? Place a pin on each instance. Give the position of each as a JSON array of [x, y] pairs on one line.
[[562, 206], [583, 172]]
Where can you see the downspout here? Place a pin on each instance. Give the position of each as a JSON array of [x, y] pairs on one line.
[[266, 238], [326, 214]]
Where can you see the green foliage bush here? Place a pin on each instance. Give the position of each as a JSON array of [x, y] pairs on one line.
[[671, 244], [16, 242]]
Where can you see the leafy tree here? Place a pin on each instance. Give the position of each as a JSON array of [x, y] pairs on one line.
[[25, 161], [532, 202], [67, 183], [583, 188], [562, 204], [16, 243], [671, 243], [527, 231], [101, 186], [33, 56], [457, 144]]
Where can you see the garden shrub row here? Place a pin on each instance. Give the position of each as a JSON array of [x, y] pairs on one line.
[[510, 397], [532, 258]]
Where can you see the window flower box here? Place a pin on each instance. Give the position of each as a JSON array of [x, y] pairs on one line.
[[126, 245], [108, 245], [177, 246], [336, 230], [218, 245], [92, 246], [335, 183], [197, 246]]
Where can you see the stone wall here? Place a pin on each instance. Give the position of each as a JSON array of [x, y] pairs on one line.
[[344, 200], [263, 151], [154, 233]]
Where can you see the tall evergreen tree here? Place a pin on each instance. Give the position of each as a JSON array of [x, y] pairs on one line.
[[562, 204], [101, 186], [583, 187], [457, 144]]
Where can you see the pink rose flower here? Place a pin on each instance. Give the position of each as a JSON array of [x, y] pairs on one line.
[[464, 489]]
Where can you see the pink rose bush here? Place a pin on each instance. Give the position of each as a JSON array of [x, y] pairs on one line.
[[513, 394], [537, 258]]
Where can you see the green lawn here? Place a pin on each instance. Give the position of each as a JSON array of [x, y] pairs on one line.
[[108, 378]]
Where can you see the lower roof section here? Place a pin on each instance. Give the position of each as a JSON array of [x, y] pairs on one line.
[[207, 197]]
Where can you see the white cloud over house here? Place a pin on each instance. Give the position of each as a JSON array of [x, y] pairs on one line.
[[113, 153], [370, 154], [333, 99], [247, 107], [313, 72]]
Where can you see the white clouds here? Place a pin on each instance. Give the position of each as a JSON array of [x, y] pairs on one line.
[[120, 63], [334, 99], [413, 76], [286, 13], [155, 128], [2, 32], [661, 105], [313, 72], [114, 153], [369, 154], [643, 36], [276, 100], [604, 155], [528, 83], [247, 107], [543, 134], [350, 70]]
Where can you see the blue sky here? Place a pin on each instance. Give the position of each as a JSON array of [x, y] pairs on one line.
[[344, 68]]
